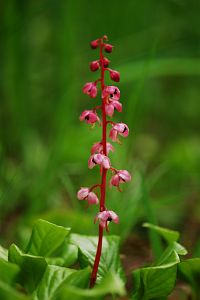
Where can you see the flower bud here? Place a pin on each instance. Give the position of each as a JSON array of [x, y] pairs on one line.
[[94, 65], [94, 44], [115, 75], [108, 48], [105, 62]]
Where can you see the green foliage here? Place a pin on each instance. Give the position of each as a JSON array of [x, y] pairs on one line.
[[190, 270], [109, 261], [46, 238], [50, 276], [42, 273], [158, 280], [29, 266]]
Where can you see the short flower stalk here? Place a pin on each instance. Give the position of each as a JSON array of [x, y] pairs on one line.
[[110, 101]]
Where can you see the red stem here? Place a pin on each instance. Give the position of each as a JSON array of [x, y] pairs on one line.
[[103, 175]]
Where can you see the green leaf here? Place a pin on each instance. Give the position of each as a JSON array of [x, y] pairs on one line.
[[66, 255], [180, 249], [8, 271], [46, 238], [110, 284], [157, 281], [169, 235], [69, 253], [54, 279], [32, 267], [57, 261], [190, 269], [110, 260], [3, 253], [9, 293]]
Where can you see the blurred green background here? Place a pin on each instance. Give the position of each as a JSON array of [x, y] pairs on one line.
[[44, 57]]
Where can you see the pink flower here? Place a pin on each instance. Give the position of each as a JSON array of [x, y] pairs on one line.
[[112, 91], [94, 65], [108, 48], [109, 108], [119, 128], [90, 89], [112, 95], [121, 176], [114, 75], [106, 216], [98, 147], [89, 116], [99, 159], [94, 44], [85, 194]]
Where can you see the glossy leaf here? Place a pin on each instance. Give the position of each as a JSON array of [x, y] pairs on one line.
[[8, 271], [190, 269], [46, 238], [110, 284], [156, 281], [32, 267], [9, 293], [110, 260], [3, 253], [167, 234], [54, 279]]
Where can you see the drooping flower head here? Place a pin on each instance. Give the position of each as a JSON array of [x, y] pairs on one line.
[[112, 92], [99, 159], [90, 89], [89, 116], [85, 194], [112, 96], [119, 128], [121, 176], [98, 147], [105, 217]]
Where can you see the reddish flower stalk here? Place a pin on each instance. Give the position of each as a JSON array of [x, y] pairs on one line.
[[110, 96]]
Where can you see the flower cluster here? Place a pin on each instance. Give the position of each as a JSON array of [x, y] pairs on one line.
[[110, 101]]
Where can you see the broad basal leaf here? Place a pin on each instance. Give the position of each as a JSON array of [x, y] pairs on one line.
[[46, 238], [110, 260], [3, 253], [190, 269], [66, 255], [32, 267], [169, 235], [157, 281], [56, 277], [9, 293], [8, 271], [110, 284]]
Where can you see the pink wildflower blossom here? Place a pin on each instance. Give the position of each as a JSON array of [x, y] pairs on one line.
[[85, 194], [119, 128], [89, 116], [121, 176], [106, 216], [90, 89], [98, 147], [99, 159]]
